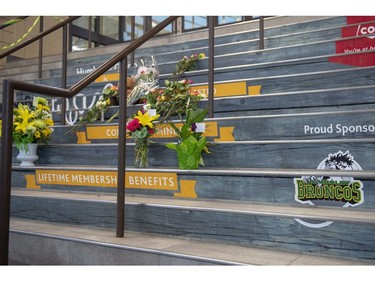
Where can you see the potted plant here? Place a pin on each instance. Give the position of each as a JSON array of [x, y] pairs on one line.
[[191, 143], [31, 126]]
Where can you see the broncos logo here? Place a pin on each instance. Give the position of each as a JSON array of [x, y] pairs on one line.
[[330, 191]]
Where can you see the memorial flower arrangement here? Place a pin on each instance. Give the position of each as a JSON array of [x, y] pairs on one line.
[[146, 82], [138, 85], [32, 124], [190, 143], [141, 127], [177, 96], [174, 99], [187, 64], [107, 98], [177, 99]]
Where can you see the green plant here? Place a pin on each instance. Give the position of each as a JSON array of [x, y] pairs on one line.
[[191, 143]]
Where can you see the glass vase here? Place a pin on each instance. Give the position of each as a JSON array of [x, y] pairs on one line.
[[141, 153]]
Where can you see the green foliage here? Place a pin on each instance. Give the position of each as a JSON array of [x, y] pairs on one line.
[[189, 152], [191, 144], [192, 116]]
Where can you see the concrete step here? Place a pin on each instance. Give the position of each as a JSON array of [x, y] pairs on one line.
[[256, 185], [227, 54], [347, 233], [292, 60], [285, 34], [71, 245], [226, 206], [276, 77], [317, 125], [283, 154], [340, 99], [303, 81]]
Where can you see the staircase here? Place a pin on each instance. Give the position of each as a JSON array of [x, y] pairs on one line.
[[292, 116]]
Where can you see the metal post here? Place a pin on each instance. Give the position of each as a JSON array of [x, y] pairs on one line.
[[261, 33], [211, 37], [132, 38], [121, 165], [90, 32], [6, 169], [64, 71]]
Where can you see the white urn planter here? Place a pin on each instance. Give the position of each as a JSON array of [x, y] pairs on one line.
[[29, 156]]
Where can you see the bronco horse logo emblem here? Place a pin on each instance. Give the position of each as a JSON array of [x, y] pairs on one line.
[[330, 191]]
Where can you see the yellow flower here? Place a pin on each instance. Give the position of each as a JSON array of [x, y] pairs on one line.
[[24, 116], [46, 132], [201, 55], [49, 122], [42, 107], [145, 119], [39, 101]]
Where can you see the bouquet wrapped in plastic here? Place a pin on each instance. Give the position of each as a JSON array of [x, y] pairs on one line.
[[146, 80]]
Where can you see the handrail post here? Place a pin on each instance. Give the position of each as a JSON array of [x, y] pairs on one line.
[[211, 38], [64, 71], [132, 38], [261, 32], [121, 165], [6, 169], [90, 32]]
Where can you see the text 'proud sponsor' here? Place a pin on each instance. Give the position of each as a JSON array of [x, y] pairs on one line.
[[338, 129]]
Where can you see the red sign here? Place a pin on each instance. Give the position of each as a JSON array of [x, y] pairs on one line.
[[360, 34]]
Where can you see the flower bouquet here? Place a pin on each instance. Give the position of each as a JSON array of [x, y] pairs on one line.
[[108, 97], [174, 100], [145, 82], [32, 125], [186, 64], [140, 128]]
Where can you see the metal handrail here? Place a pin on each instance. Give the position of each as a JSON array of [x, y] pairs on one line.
[[9, 86]]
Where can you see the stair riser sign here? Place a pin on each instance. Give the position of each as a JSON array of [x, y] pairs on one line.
[[108, 179], [358, 42], [164, 131]]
